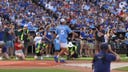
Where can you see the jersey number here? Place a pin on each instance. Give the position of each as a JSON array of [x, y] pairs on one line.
[[62, 32]]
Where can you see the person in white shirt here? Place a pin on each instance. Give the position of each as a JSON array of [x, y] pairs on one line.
[[38, 38], [106, 37]]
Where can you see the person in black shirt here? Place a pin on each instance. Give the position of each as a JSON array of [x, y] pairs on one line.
[[99, 37]]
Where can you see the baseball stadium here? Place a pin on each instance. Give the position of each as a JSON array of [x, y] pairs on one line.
[[63, 35]]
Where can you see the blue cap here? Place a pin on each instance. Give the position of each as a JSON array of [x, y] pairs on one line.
[[104, 46]]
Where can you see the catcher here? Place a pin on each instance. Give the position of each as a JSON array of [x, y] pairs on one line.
[[40, 50]]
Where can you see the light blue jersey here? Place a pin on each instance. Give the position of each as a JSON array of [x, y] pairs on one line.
[[63, 31]]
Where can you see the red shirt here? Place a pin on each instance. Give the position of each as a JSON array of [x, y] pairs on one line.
[[16, 46]]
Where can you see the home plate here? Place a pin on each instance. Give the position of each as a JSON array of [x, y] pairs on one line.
[[89, 65]]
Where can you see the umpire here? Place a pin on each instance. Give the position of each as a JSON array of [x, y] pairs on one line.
[[102, 60]]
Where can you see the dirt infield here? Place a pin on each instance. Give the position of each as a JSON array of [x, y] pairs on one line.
[[29, 63], [44, 64]]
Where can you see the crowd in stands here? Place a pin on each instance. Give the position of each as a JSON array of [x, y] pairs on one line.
[[96, 21]]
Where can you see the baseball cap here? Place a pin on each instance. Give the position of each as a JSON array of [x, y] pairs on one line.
[[104, 46], [70, 44], [62, 20]]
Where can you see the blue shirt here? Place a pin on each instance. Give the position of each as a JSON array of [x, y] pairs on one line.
[[73, 21], [10, 37], [84, 35], [63, 31], [1, 36], [4, 49], [87, 7], [101, 65], [92, 26], [91, 40], [49, 35], [56, 44], [53, 29]]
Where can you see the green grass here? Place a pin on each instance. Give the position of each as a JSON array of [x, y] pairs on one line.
[[123, 59], [122, 55], [34, 70], [123, 68], [85, 58]]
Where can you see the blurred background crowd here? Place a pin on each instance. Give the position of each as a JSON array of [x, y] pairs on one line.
[[95, 21]]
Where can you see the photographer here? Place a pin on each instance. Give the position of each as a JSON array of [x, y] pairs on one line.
[[99, 37], [25, 38], [112, 39], [121, 40], [102, 60]]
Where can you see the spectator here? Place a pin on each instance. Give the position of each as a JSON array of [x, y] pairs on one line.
[[72, 49], [49, 40], [25, 38], [40, 49], [83, 37], [90, 41], [112, 39], [99, 35], [18, 49], [37, 38], [10, 40]]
